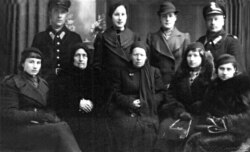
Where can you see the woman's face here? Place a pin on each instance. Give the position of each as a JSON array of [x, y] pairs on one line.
[[138, 57], [80, 59], [226, 71], [119, 17], [168, 20], [194, 59], [32, 66]]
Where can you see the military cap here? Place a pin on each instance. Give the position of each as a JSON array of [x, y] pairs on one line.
[[214, 8], [59, 3]]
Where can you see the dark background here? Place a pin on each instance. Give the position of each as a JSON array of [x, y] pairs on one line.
[[20, 20]]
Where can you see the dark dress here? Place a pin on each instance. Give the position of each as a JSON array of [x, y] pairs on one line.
[[135, 129], [221, 43], [55, 47], [167, 54], [228, 100], [90, 129], [27, 124]]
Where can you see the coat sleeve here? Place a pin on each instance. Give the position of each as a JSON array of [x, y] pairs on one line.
[[98, 52], [171, 107], [234, 48], [10, 107], [186, 42], [160, 89], [239, 123], [119, 98]]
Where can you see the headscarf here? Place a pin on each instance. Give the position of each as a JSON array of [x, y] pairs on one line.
[[147, 86]]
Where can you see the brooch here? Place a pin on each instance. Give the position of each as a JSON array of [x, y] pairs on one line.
[[131, 74]]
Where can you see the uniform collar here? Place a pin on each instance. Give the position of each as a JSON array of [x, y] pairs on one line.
[[61, 33]]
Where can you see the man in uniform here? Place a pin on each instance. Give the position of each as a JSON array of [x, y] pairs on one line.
[[56, 40], [217, 40]]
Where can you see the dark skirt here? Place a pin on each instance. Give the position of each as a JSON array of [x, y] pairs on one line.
[[91, 133], [130, 134], [48, 137]]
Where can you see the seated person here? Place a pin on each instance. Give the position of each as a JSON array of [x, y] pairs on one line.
[[226, 120], [138, 90], [184, 94], [26, 122]]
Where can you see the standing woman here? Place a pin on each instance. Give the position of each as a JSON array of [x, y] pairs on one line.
[[226, 107], [167, 45], [185, 94], [112, 47], [26, 122], [138, 90]]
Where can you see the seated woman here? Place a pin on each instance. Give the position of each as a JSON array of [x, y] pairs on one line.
[[225, 124], [138, 90], [184, 94], [26, 122], [77, 100]]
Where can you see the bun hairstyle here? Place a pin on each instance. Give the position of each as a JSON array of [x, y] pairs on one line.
[[114, 5]]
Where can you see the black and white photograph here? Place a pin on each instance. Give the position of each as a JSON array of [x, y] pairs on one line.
[[124, 76]]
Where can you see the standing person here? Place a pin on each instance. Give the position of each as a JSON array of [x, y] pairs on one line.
[[56, 40], [168, 44], [26, 122], [217, 40], [226, 120], [138, 90], [184, 95], [112, 47]]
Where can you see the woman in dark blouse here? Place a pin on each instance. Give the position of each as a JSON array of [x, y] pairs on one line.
[[112, 47], [138, 90], [26, 122]]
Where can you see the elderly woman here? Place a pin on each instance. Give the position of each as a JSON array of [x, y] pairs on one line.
[[226, 105], [138, 90], [77, 99], [112, 47], [27, 124], [185, 94]]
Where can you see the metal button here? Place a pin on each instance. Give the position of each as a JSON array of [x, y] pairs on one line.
[[58, 57], [58, 65], [57, 50], [58, 43]]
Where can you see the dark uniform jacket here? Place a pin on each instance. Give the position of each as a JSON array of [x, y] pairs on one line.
[[112, 50], [228, 100], [167, 54], [224, 43], [27, 124], [55, 47]]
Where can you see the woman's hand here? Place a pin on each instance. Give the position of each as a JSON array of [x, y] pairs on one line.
[[86, 105], [137, 103]]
